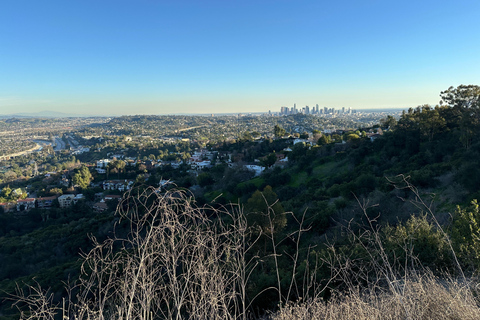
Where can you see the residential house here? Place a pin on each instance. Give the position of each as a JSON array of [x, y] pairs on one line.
[[78, 197], [66, 200], [120, 185], [100, 206], [45, 202], [113, 197], [7, 206], [102, 166], [256, 169], [25, 204]]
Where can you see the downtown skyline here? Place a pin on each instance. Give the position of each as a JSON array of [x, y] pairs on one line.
[[166, 57]]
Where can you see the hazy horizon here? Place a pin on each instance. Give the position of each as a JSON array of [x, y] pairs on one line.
[[162, 57]]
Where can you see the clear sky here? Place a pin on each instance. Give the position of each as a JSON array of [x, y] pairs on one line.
[[199, 56]]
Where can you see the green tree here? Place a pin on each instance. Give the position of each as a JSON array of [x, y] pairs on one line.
[[389, 122], [463, 96], [204, 179], [82, 177], [304, 135], [247, 136], [279, 131], [352, 136], [464, 111], [466, 234], [417, 240], [323, 140], [6, 191], [265, 211], [269, 160]]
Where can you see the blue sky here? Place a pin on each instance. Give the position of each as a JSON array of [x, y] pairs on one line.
[[164, 57]]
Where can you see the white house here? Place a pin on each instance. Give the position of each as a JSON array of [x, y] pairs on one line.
[[257, 169]]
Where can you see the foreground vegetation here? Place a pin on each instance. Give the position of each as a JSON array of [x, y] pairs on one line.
[[352, 227]]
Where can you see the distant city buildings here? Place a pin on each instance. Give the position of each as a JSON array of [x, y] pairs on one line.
[[315, 110]]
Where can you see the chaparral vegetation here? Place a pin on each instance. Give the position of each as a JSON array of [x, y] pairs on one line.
[[280, 216]]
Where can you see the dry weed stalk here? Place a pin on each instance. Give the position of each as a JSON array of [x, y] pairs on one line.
[[177, 262]]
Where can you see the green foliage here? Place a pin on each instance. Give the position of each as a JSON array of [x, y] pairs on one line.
[[417, 241], [388, 123], [6, 191], [82, 177], [269, 160], [204, 179], [323, 140], [352, 136], [265, 211], [466, 234], [279, 131]]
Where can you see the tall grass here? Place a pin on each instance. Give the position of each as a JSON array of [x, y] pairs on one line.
[[183, 262], [422, 297]]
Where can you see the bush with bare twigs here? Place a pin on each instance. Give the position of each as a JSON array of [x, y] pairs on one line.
[[177, 262]]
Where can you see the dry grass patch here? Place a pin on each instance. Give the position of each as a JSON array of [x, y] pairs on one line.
[[421, 298]]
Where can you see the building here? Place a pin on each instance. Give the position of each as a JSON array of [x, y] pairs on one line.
[[46, 202], [66, 200], [120, 185], [25, 204], [100, 206]]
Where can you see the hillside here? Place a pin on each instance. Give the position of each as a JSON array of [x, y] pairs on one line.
[[397, 196]]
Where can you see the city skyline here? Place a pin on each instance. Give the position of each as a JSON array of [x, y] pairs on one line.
[[161, 57]]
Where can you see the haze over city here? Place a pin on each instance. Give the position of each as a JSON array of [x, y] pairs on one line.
[[169, 57]]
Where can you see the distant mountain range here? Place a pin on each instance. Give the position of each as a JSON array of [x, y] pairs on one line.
[[42, 114]]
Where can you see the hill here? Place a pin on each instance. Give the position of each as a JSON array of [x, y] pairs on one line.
[[358, 209]]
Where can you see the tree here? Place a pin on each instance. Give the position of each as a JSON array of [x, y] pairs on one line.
[[352, 136], [463, 96], [204, 179], [269, 160], [464, 103], [389, 122], [266, 211], [6, 191], [466, 233], [82, 177], [304, 135], [116, 166], [279, 131], [247, 136], [323, 140]]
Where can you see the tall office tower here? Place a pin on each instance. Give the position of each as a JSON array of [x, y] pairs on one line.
[[316, 108], [349, 110], [343, 109], [333, 110], [307, 110], [294, 108], [325, 110]]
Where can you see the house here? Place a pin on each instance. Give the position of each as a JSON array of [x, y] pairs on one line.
[[25, 204], [102, 166], [299, 141], [7, 206], [120, 185], [17, 192], [100, 206], [66, 200], [257, 169], [113, 197], [78, 197], [45, 202], [201, 165]]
